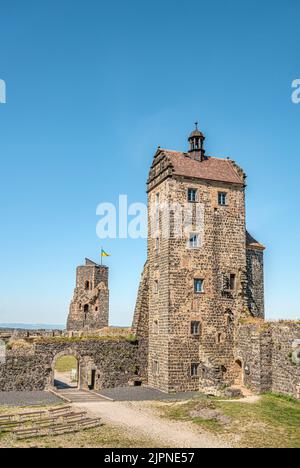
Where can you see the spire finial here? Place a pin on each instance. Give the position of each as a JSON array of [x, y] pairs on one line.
[[196, 123]]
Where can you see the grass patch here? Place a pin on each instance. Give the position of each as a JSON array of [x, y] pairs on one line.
[[272, 422], [66, 364], [79, 339], [105, 436]]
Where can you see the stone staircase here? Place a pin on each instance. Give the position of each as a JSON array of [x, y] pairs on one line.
[[79, 396]]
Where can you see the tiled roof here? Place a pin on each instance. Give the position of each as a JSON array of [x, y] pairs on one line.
[[211, 169], [252, 243]]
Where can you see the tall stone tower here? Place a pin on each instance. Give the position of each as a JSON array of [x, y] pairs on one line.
[[89, 308], [195, 285]]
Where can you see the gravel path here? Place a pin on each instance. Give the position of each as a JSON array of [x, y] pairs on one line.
[[28, 399], [140, 421], [143, 394]]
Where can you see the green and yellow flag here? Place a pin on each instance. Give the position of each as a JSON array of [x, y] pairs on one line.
[[104, 254]]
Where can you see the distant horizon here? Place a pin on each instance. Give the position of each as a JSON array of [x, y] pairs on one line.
[[43, 326], [33, 326]]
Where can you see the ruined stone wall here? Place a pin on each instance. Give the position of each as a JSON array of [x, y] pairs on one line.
[[89, 308], [116, 362], [267, 351], [18, 333], [255, 282]]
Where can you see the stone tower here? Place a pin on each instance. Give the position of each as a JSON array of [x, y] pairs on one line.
[[89, 308], [195, 285]]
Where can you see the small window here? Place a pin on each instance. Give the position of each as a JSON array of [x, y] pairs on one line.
[[194, 241], [192, 195], [156, 286], [222, 198], [157, 244], [87, 285], [232, 281], [195, 328], [194, 369], [96, 309], [220, 338], [229, 318], [198, 286]]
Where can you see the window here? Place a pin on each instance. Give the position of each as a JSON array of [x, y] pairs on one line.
[[198, 286], [222, 198], [86, 311], [194, 241], [229, 318], [192, 195], [157, 244], [87, 285], [232, 282], [156, 286], [195, 328], [194, 369], [220, 338]]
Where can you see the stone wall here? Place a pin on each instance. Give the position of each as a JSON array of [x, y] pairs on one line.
[[116, 362], [268, 353], [255, 282], [140, 326]]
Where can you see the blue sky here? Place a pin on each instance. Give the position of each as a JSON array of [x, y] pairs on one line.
[[93, 88]]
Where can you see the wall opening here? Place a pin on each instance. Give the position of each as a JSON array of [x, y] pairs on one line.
[[86, 311], [66, 372], [238, 372]]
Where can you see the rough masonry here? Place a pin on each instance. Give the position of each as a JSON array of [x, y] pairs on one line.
[[89, 308], [197, 287]]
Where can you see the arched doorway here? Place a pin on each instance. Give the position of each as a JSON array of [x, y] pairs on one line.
[[66, 371], [238, 373]]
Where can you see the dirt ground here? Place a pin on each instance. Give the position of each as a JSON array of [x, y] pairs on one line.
[[141, 419]]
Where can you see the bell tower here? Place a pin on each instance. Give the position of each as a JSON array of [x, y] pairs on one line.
[[196, 142]]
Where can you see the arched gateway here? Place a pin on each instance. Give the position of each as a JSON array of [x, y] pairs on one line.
[[84, 376]]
